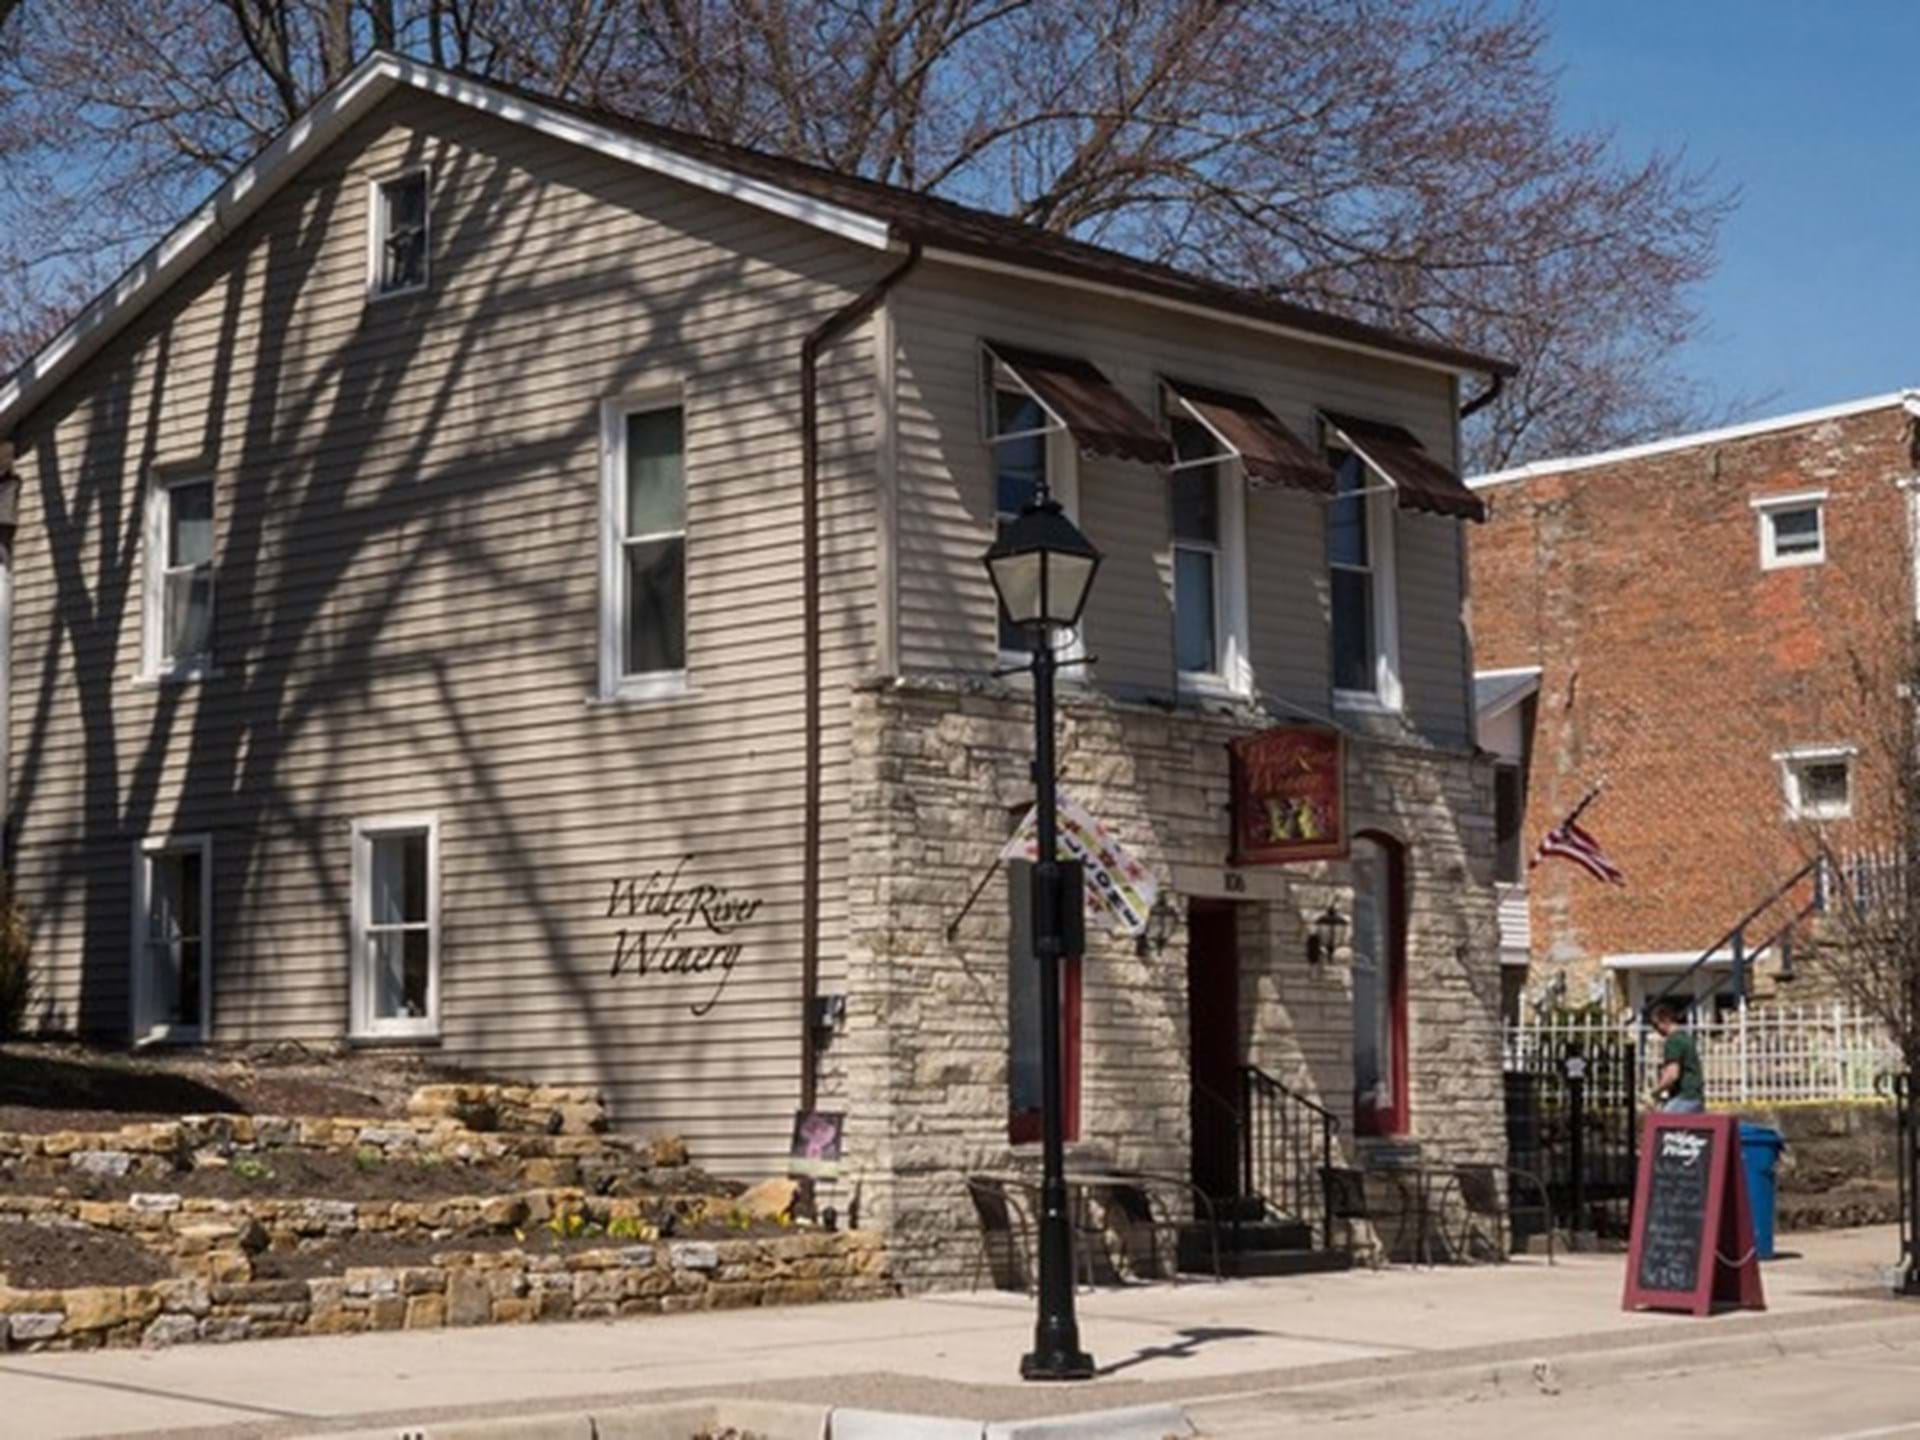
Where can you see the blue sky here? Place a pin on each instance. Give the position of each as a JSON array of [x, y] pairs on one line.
[[1813, 111]]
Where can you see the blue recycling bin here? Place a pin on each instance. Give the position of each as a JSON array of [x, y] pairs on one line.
[[1760, 1149]]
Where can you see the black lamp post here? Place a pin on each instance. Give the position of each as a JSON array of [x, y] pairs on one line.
[[1042, 569]]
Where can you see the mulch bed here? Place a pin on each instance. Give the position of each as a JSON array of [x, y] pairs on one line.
[[60, 1085], [282, 1174], [54, 1257], [334, 1257]]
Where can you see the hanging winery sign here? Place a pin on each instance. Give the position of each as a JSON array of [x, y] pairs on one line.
[[678, 928], [1289, 796]]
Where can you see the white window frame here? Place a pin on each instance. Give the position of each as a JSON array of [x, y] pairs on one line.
[[1767, 509], [145, 1031], [363, 1023], [156, 665], [1063, 483], [653, 685], [1798, 758], [377, 221], [1387, 696], [1233, 677]]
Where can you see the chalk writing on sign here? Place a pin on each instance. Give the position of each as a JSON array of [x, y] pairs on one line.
[[1670, 1256], [679, 928]]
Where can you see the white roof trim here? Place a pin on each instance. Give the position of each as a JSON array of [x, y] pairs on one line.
[[269, 171], [1662, 960], [1778, 502], [1909, 398], [1507, 702]]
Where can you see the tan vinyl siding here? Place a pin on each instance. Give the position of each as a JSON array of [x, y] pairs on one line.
[[407, 500], [944, 311]]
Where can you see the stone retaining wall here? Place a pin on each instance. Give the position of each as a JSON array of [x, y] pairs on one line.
[[495, 1288]]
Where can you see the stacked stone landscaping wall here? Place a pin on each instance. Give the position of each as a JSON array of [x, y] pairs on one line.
[[566, 1223]]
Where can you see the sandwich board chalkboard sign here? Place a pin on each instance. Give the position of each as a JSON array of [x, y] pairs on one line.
[[1692, 1223]]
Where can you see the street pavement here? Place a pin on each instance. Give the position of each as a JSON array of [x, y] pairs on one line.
[[1494, 1348]]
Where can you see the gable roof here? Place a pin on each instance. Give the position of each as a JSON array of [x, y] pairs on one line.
[[1497, 691], [861, 211]]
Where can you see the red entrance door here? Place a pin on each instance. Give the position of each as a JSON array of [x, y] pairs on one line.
[[1213, 1021]]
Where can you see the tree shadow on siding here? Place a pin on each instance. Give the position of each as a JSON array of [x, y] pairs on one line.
[[314, 700]]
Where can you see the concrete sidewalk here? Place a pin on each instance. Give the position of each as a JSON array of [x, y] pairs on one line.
[[1199, 1344]]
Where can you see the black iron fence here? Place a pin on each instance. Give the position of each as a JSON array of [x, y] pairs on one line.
[[1572, 1121]]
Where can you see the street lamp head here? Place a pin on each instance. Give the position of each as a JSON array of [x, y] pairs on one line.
[[1042, 568]]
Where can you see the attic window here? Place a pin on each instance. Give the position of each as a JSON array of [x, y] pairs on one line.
[[398, 252]]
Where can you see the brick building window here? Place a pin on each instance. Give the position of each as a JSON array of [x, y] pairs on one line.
[[1792, 529], [1818, 780]]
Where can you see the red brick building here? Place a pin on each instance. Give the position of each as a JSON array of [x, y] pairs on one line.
[[1701, 626]]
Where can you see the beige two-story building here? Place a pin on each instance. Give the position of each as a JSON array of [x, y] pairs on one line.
[[507, 579]]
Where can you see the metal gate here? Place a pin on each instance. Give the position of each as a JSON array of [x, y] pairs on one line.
[[1571, 1123]]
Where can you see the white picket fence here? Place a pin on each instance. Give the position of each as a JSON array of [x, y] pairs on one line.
[[1766, 1053]]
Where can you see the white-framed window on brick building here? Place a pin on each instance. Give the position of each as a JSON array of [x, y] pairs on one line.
[[396, 927], [172, 939], [643, 551], [399, 233], [1818, 781], [1793, 529], [179, 576]]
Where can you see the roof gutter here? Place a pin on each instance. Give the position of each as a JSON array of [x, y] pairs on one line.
[[1496, 382], [823, 335]]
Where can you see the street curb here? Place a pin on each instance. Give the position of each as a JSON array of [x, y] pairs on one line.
[[1550, 1373], [674, 1420], [774, 1421]]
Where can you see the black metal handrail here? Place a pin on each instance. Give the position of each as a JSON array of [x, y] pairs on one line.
[[1737, 934], [1280, 1161]]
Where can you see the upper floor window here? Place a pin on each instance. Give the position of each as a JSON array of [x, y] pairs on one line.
[[1818, 780], [1029, 448], [643, 622], [1509, 810], [1196, 549], [179, 575], [398, 244], [1360, 561], [1792, 529]]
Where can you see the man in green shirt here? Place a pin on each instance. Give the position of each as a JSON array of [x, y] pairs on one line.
[[1683, 1085]]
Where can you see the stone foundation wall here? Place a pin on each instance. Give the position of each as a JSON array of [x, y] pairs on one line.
[[506, 1287], [940, 773]]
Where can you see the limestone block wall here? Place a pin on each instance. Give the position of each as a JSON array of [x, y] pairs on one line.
[[941, 771]]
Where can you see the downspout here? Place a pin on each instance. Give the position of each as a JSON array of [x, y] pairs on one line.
[[829, 330]]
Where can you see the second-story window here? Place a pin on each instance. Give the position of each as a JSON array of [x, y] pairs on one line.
[[1196, 550], [1361, 581], [1792, 530], [1020, 445], [180, 575], [400, 232], [643, 615]]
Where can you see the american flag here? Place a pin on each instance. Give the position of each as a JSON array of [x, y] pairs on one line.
[[1569, 842]]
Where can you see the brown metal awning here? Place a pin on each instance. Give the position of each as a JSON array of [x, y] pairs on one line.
[[1271, 452], [1101, 420], [1421, 481]]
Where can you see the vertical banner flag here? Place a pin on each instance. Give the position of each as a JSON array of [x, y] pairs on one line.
[[1124, 887]]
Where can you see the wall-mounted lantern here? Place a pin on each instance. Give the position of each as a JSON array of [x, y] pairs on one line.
[[1161, 921], [1323, 941]]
